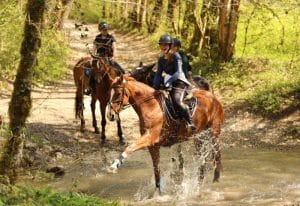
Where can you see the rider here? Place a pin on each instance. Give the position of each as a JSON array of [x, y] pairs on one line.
[[175, 80], [104, 46], [186, 67]]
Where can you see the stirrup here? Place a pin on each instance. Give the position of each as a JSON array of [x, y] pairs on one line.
[[87, 91]]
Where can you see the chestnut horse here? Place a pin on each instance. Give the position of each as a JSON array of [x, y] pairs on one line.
[[101, 92], [156, 127]]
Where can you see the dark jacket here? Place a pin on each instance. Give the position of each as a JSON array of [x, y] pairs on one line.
[[104, 45], [173, 70]]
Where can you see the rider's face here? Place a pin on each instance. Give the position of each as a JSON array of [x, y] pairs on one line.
[[164, 47], [104, 31]]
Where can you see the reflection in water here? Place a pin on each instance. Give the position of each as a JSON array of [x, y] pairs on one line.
[[249, 177]]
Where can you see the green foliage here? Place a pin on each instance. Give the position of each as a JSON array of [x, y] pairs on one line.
[[52, 55], [33, 197], [51, 58], [11, 24], [89, 11]]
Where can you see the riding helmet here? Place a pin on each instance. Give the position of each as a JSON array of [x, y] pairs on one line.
[[102, 26], [165, 39], [176, 42]]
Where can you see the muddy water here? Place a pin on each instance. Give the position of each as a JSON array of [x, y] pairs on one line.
[[249, 177]]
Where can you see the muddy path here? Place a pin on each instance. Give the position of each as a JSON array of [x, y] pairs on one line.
[[57, 141]]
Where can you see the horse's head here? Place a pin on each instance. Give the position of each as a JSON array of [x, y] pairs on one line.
[[118, 97], [100, 69], [143, 73]]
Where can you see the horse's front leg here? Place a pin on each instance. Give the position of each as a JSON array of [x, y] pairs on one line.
[[144, 141], [154, 152], [103, 105], [93, 108], [120, 132]]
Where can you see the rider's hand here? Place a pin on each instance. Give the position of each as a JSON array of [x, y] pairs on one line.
[[168, 86]]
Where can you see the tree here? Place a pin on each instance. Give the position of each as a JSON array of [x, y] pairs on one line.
[[228, 21], [155, 17], [65, 11], [20, 103]]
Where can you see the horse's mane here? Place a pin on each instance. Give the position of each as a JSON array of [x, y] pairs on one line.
[[127, 77]]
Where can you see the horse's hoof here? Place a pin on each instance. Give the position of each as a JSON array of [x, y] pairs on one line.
[[121, 142], [103, 142], [112, 170]]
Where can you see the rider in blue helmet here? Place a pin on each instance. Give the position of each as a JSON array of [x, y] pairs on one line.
[[175, 80]]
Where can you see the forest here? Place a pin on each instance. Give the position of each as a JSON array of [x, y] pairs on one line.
[[248, 50]]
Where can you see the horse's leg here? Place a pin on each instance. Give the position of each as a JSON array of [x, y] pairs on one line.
[[180, 157], [120, 132], [103, 105], [200, 151], [79, 105], [216, 125], [142, 142], [154, 152], [93, 108]]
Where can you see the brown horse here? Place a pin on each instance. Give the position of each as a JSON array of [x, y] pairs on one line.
[[157, 128], [81, 83], [102, 73], [101, 92]]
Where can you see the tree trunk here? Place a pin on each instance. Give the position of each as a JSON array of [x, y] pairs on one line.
[[20, 103], [155, 18], [171, 13], [208, 45], [65, 11], [194, 45], [227, 28]]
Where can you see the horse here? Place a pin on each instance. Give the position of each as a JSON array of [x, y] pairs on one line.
[[101, 92], [155, 126], [102, 73], [81, 82], [145, 74]]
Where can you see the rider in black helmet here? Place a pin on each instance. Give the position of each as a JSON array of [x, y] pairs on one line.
[[187, 69], [104, 46], [175, 80]]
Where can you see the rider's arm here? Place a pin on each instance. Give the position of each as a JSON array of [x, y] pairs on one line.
[[177, 63], [113, 46], [158, 75]]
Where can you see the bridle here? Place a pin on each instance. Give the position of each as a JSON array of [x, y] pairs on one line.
[[120, 100]]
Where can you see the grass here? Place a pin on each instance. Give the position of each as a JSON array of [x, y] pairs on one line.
[[47, 197]]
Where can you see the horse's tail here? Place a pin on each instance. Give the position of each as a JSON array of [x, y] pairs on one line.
[[79, 106]]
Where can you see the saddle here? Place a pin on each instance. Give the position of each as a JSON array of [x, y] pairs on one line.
[[170, 108]]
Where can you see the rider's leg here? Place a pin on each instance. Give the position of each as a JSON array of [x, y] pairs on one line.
[[117, 66], [177, 94]]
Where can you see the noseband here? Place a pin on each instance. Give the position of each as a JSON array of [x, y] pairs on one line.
[[118, 101]]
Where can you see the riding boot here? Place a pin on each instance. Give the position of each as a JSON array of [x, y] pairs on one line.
[[187, 116], [90, 87]]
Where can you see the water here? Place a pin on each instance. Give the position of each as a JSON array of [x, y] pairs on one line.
[[249, 177]]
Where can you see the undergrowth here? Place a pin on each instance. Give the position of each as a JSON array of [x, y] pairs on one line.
[[25, 196]]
